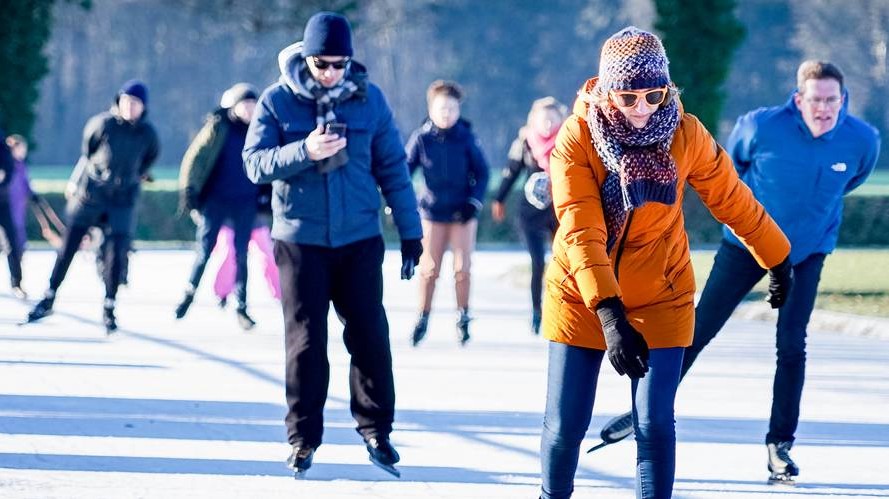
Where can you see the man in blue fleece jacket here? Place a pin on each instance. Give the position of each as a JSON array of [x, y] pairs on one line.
[[799, 160]]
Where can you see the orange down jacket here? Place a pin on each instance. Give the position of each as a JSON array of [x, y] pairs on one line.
[[656, 281]]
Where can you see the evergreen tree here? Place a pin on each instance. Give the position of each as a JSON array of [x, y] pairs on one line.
[[24, 31], [700, 37]]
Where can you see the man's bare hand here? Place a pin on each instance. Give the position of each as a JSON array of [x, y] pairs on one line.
[[320, 145]]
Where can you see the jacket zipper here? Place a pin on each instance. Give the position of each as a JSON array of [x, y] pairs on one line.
[[620, 247]]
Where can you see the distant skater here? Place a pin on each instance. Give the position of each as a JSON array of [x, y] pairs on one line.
[[119, 147]]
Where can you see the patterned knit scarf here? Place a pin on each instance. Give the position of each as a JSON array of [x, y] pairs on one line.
[[325, 99], [640, 167]]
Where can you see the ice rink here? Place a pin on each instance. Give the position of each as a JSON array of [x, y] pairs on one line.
[[194, 408]]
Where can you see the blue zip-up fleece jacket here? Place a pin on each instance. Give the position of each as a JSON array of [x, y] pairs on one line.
[[454, 169], [799, 179], [343, 206]]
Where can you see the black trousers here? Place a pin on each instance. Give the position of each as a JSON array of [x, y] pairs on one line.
[[118, 223], [14, 254], [351, 277]]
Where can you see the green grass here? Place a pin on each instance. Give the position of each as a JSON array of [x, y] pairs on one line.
[[877, 185], [52, 178], [855, 281]]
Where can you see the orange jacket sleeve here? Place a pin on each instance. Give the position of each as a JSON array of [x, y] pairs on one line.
[[578, 206]]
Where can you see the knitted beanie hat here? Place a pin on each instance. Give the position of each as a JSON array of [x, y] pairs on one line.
[[632, 59], [135, 88], [327, 33]]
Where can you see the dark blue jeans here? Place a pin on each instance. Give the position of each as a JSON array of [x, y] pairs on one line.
[[117, 223], [241, 215], [538, 241], [571, 391], [734, 274]]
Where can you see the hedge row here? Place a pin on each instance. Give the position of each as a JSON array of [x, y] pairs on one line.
[[865, 221]]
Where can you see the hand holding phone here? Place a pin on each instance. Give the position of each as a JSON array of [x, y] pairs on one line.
[[338, 128]]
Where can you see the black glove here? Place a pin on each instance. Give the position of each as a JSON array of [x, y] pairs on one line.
[[780, 282], [627, 349], [411, 249], [467, 212]]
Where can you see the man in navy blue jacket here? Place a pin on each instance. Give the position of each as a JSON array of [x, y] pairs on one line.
[[326, 140], [799, 160]]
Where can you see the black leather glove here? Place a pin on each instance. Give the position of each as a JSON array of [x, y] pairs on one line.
[[627, 349], [411, 249], [467, 212], [780, 282]]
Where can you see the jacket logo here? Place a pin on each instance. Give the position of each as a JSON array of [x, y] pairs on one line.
[[838, 167]]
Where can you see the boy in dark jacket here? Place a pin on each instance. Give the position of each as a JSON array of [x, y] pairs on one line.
[[119, 146], [214, 189], [324, 137], [456, 177]]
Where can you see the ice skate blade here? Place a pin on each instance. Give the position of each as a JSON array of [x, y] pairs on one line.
[[32, 320], [388, 468], [299, 474], [781, 479]]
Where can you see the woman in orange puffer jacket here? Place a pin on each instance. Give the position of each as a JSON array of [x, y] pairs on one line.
[[621, 280]]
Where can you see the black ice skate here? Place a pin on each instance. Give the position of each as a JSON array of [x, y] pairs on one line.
[[615, 430], [300, 461], [245, 321], [783, 468], [108, 317], [183, 306], [463, 327], [41, 310], [420, 329], [535, 323], [383, 455]]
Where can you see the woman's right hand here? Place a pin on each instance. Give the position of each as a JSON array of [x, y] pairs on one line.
[[498, 211]]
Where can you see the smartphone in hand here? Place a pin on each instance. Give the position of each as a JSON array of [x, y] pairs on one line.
[[337, 128]]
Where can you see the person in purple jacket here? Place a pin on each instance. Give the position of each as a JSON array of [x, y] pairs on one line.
[[456, 175], [20, 191], [7, 225]]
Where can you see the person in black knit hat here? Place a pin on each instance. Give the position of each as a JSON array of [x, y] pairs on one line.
[[326, 140], [119, 147]]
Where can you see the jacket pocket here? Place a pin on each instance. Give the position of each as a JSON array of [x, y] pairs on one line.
[[301, 199]]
